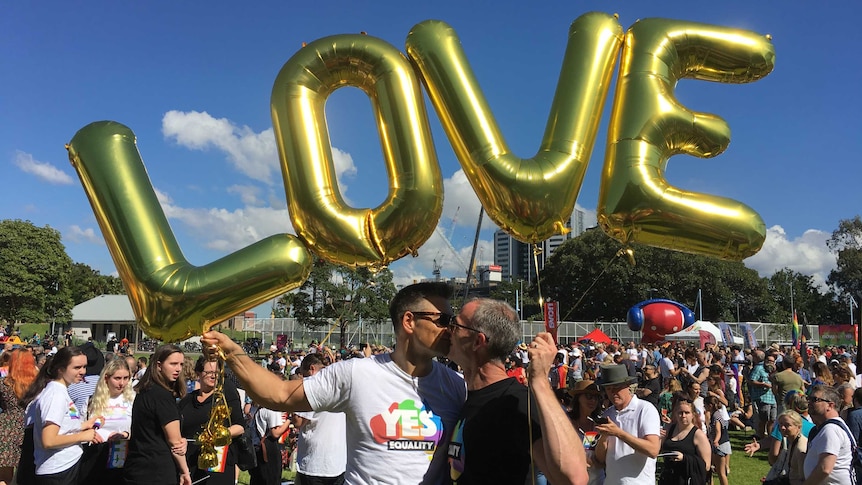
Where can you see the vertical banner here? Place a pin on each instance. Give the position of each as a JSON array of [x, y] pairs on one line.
[[552, 318], [706, 338], [726, 334], [748, 335], [794, 331]]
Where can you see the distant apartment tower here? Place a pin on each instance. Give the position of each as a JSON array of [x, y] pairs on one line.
[[516, 258]]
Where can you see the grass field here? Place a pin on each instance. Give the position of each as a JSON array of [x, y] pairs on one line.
[[742, 468]]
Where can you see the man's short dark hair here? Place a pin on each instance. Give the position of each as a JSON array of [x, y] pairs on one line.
[[310, 360], [406, 299]]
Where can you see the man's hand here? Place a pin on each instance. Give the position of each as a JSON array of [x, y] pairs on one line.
[[752, 447], [609, 429], [541, 352], [212, 339]]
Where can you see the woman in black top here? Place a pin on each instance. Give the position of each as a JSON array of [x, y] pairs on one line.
[[156, 447], [195, 411]]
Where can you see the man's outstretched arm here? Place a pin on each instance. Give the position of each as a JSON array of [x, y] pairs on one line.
[[262, 385]]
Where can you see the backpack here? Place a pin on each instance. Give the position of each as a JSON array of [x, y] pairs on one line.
[[248, 443], [856, 463], [554, 377]]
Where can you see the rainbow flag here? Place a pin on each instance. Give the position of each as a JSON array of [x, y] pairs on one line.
[[794, 331]]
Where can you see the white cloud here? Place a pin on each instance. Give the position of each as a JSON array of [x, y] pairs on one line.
[[228, 230], [247, 194], [253, 154], [42, 170], [807, 254], [78, 234]]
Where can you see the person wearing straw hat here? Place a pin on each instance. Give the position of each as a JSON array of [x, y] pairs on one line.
[[502, 430], [632, 430], [586, 409]]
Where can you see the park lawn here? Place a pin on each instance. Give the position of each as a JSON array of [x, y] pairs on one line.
[[742, 468]]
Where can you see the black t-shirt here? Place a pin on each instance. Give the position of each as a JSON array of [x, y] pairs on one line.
[[150, 460], [195, 416], [491, 442], [653, 385]]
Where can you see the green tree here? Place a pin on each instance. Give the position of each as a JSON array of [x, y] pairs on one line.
[[593, 280], [340, 294], [846, 243], [35, 274], [87, 283]]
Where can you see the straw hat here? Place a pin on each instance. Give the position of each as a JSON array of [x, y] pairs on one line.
[[583, 387]]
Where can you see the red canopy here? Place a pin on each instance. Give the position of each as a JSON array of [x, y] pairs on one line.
[[597, 336]]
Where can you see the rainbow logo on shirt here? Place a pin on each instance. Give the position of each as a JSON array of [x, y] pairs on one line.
[[406, 426], [73, 411]]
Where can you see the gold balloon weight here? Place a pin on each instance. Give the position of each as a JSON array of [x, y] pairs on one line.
[[216, 433]]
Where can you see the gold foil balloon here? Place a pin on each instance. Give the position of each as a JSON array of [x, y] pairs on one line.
[[208, 458], [649, 125], [172, 299], [529, 198], [221, 436], [331, 229]]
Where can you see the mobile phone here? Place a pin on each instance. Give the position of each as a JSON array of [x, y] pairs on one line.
[[601, 420]]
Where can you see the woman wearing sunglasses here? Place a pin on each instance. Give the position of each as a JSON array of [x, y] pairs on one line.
[[586, 410]]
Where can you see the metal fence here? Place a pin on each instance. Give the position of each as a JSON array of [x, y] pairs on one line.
[[381, 333]]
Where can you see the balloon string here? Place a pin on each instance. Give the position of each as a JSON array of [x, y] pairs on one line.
[[619, 253], [536, 251]]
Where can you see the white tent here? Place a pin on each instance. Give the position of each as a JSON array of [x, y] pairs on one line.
[[692, 332]]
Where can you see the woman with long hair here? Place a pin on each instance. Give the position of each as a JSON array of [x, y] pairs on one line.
[[665, 400], [22, 373], [684, 446], [718, 437], [112, 401], [822, 375], [195, 411], [586, 409], [58, 430], [156, 447]]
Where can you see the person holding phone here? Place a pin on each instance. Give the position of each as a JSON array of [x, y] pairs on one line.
[[586, 413], [632, 433]]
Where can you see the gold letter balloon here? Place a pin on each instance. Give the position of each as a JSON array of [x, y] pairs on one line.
[[172, 299], [648, 126], [529, 198], [331, 229]]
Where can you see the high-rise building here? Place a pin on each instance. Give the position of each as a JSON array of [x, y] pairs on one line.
[[516, 259]]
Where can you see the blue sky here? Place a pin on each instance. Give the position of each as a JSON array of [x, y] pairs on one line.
[[193, 81]]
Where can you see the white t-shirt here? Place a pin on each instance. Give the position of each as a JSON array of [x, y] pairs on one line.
[[321, 450], [266, 419], [640, 418], [665, 367], [396, 423], [833, 440], [118, 417], [54, 406]]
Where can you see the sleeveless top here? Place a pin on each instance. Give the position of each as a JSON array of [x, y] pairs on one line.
[[691, 469]]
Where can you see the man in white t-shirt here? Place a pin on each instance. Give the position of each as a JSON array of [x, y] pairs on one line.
[[321, 451], [630, 440], [270, 426], [400, 407], [830, 446]]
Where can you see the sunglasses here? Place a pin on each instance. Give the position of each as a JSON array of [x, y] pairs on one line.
[[813, 399], [446, 320]]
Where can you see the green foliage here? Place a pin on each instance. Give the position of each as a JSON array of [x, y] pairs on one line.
[[590, 269], [341, 294], [35, 276], [846, 242], [87, 283]]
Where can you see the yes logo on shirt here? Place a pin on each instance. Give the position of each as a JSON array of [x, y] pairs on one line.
[[407, 427]]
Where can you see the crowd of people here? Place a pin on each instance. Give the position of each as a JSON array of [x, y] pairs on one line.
[[459, 399]]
